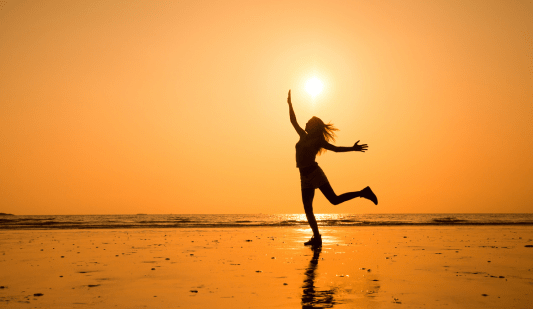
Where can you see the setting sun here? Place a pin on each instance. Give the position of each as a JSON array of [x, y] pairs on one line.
[[314, 86]]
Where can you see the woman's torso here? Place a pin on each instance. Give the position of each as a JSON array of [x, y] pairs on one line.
[[306, 150]]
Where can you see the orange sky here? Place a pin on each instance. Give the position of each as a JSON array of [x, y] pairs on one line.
[[180, 106]]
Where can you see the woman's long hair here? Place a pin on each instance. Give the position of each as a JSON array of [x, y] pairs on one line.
[[326, 131]]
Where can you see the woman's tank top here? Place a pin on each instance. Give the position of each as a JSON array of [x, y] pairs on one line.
[[306, 150]]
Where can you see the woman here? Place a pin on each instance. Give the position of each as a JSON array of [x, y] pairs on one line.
[[315, 140]]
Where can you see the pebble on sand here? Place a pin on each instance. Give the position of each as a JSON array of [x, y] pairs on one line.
[[38, 294]]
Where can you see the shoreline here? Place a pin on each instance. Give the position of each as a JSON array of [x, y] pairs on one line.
[[302, 225]]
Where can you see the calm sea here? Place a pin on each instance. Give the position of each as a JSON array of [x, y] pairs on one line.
[[12, 222]]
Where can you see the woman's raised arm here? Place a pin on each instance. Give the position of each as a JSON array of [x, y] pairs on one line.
[[292, 115]]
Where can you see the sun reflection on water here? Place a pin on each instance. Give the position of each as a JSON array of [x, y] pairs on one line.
[[319, 217]]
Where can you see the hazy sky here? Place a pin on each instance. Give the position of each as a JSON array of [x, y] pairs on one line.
[[180, 106]]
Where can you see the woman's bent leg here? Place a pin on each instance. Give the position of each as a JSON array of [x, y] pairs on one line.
[[335, 199], [308, 194]]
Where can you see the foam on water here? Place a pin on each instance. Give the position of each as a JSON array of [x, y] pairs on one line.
[[251, 220]]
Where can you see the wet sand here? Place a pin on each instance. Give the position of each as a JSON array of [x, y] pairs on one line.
[[358, 267]]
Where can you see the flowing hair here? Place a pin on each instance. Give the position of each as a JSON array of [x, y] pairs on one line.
[[326, 131]]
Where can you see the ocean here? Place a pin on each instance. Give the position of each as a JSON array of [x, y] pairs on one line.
[[52, 222]]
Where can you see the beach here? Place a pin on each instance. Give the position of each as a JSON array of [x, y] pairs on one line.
[[268, 267]]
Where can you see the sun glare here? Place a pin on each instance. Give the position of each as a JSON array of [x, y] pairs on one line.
[[314, 86]]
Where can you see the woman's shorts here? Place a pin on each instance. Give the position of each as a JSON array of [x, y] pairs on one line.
[[314, 179]]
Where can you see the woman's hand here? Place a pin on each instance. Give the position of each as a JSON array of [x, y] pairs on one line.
[[289, 97], [361, 148]]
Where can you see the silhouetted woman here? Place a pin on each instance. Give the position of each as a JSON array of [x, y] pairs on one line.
[[315, 140]]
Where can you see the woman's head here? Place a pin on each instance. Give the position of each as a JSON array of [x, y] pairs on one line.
[[315, 126]]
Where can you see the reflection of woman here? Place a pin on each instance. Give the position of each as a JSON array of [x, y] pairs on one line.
[[314, 140], [311, 297]]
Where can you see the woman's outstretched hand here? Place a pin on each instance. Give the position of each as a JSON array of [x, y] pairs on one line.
[[361, 148], [289, 97]]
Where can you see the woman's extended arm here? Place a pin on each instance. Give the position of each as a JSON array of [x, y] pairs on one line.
[[292, 115], [355, 147]]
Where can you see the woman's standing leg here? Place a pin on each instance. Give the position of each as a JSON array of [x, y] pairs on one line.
[[308, 194]]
